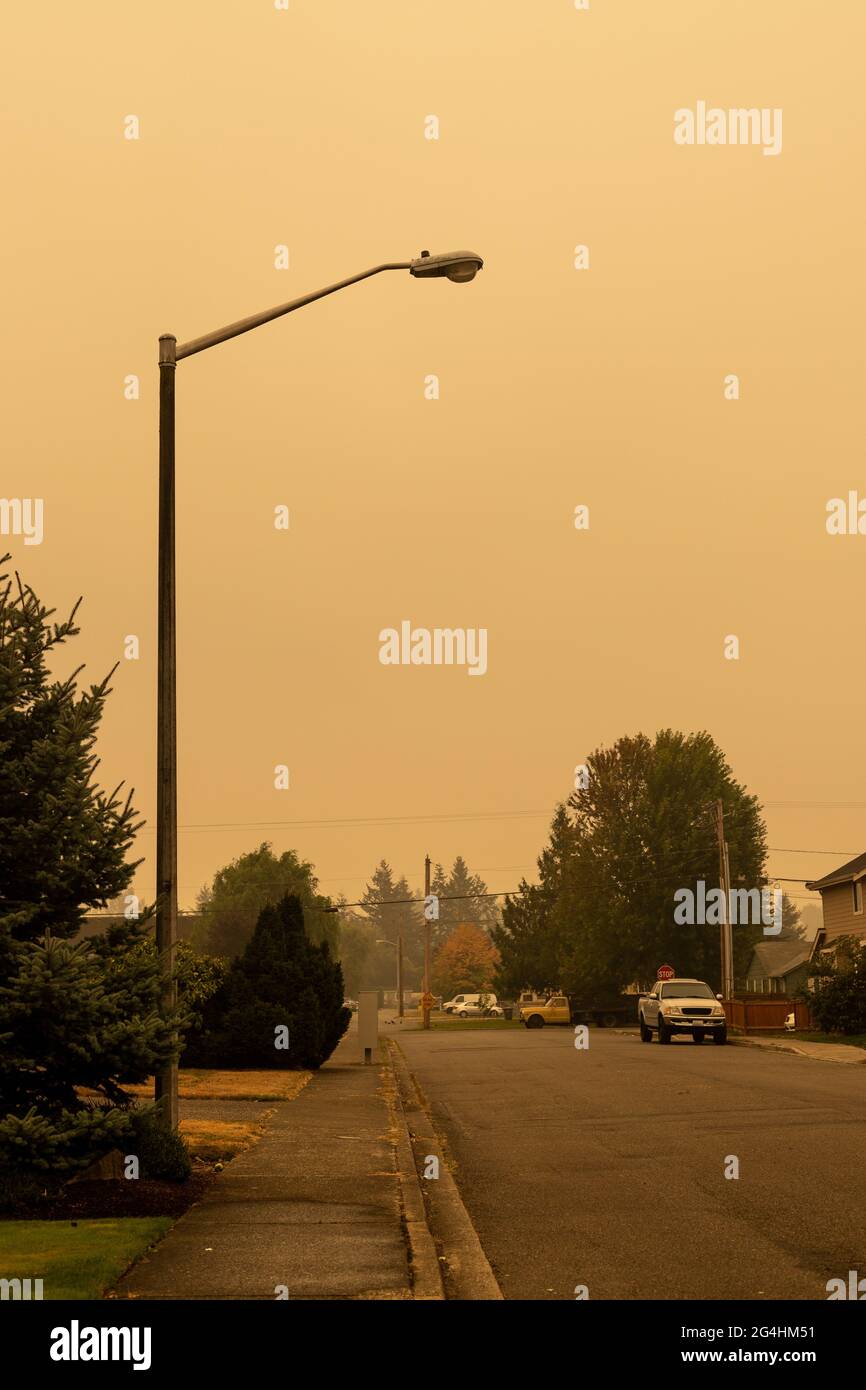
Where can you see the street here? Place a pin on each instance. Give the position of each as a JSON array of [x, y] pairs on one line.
[[606, 1167]]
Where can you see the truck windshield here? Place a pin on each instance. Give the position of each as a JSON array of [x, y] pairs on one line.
[[698, 990]]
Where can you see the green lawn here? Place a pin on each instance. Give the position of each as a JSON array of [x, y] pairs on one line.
[[777, 1034], [852, 1040], [79, 1261]]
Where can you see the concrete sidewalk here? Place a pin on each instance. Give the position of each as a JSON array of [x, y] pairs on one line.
[[313, 1207], [824, 1052]]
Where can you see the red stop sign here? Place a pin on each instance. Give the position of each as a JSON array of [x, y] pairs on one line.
[[665, 972]]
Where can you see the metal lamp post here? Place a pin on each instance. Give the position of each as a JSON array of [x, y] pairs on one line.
[[398, 946], [459, 266]]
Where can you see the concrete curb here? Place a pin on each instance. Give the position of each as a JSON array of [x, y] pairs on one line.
[[467, 1271], [778, 1046], [427, 1283]]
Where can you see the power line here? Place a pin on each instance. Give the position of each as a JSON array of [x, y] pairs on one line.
[[437, 818], [335, 823]]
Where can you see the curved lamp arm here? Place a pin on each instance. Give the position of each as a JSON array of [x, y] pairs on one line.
[[220, 335]]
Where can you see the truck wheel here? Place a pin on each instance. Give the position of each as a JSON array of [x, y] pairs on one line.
[[646, 1034], [607, 1021], [664, 1033], [697, 1036], [720, 1037], [535, 1021]]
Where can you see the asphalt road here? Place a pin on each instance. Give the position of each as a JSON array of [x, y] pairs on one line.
[[605, 1167]]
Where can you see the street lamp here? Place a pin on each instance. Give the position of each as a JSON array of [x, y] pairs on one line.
[[459, 266], [398, 945]]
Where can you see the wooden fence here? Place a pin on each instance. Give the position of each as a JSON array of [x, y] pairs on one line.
[[757, 1015]]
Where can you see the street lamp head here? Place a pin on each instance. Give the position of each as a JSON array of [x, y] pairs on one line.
[[459, 266]]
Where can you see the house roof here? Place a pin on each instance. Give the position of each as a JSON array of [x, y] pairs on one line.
[[772, 959], [853, 869]]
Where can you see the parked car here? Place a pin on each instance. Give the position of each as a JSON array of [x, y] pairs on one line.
[[464, 1001], [682, 1006], [481, 1008]]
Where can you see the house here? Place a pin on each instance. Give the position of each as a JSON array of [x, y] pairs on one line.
[[778, 966], [842, 894]]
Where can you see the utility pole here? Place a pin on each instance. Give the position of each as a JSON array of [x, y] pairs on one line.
[[729, 943], [400, 969], [166, 736], [426, 941], [726, 943]]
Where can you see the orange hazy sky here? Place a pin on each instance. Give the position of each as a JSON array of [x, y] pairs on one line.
[[558, 387]]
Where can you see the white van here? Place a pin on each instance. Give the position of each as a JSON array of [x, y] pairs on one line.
[[475, 1002]]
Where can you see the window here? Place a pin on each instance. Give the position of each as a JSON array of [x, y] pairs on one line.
[[687, 990], [857, 894]]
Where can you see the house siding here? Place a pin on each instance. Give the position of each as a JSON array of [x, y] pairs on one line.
[[839, 916]]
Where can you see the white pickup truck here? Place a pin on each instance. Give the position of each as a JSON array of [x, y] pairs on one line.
[[682, 1006]]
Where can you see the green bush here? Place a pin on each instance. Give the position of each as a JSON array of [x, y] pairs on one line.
[[281, 981], [75, 1016], [63, 1143], [838, 996], [161, 1153], [21, 1189]]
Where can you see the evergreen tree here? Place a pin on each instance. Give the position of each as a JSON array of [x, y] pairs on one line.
[[602, 913], [282, 981], [72, 1015], [385, 903], [356, 945], [529, 939], [75, 1015], [462, 900], [63, 841], [644, 828]]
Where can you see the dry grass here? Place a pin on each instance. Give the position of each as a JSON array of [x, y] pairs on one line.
[[197, 1084], [220, 1139]]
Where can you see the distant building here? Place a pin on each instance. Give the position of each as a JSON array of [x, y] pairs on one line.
[[778, 966], [842, 894]]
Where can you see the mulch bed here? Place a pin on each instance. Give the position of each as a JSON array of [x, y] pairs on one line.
[[87, 1201]]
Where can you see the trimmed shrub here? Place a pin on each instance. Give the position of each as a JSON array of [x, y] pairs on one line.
[[282, 981], [161, 1154]]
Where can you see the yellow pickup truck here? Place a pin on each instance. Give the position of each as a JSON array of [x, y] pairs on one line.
[[556, 1010], [615, 1010]]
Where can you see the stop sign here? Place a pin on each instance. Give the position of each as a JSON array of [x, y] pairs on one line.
[[665, 972]]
